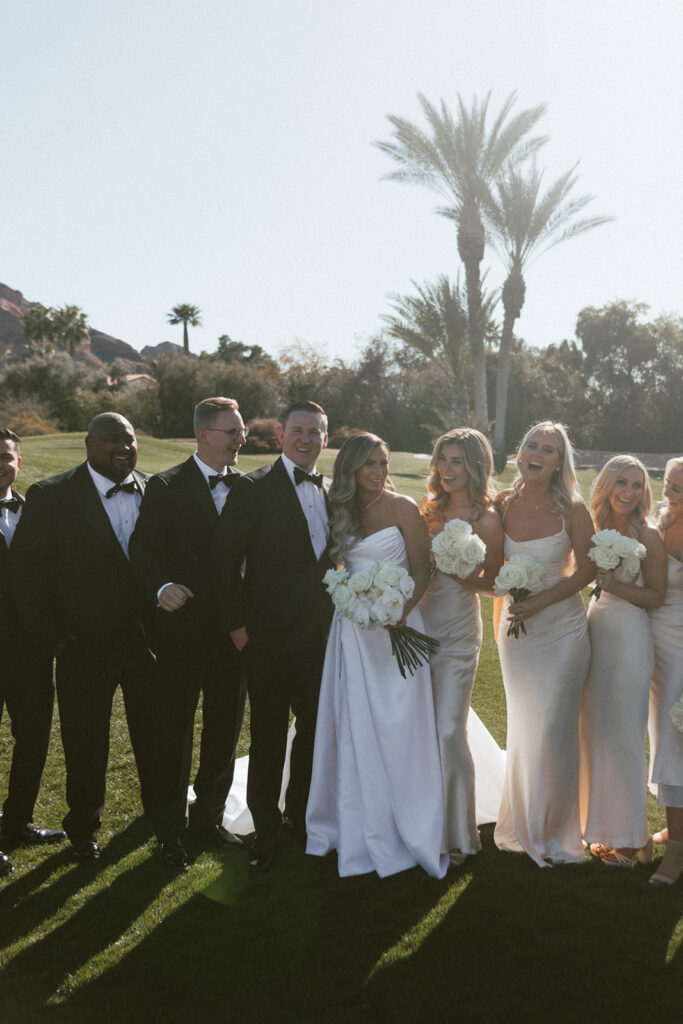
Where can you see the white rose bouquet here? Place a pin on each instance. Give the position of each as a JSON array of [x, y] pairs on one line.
[[375, 598], [520, 577], [611, 551], [676, 714], [457, 549]]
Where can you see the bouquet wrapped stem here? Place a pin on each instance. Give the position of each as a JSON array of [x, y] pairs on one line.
[[411, 648], [518, 594]]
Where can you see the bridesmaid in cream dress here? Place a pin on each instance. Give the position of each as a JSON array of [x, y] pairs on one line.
[[615, 705], [460, 488], [666, 742], [545, 517]]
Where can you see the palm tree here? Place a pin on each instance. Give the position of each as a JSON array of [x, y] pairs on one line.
[[185, 314], [70, 325], [459, 158], [435, 323], [526, 222], [38, 326]]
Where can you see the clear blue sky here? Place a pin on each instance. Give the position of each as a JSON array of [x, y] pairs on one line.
[[219, 152]]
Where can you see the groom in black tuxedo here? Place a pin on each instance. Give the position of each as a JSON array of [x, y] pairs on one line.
[[26, 686], [172, 553], [279, 613], [79, 601]]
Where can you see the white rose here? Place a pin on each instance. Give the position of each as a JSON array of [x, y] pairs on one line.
[[624, 545], [388, 608], [388, 575], [333, 578], [512, 576], [604, 558], [605, 538], [442, 543], [535, 578], [360, 581], [447, 563], [628, 570], [343, 600], [457, 528], [361, 614], [406, 585], [474, 550]]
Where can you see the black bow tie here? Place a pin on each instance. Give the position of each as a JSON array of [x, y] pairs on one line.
[[315, 478], [222, 478], [11, 504], [129, 488]]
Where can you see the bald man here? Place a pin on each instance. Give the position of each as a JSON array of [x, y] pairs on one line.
[[79, 601]]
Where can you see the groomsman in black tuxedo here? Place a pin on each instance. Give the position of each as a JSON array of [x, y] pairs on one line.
[[172, 553], [26, 685], [79, 600], [279, 613]]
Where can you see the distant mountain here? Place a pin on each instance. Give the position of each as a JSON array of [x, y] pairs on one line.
[[99, 352]]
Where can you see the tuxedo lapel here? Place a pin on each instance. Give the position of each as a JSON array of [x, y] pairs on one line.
[[289, 505], [194, 481], [90, 504]]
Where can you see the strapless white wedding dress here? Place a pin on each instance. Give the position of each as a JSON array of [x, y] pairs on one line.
[[376, 794]]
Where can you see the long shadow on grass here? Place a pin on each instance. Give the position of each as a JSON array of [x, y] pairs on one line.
[[19, 914], [297, 945], [525, 944]]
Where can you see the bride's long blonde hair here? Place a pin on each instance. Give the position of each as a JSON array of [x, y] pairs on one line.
[[346, 510]]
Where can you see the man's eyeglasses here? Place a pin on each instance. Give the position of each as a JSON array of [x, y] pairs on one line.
[[232, 434]]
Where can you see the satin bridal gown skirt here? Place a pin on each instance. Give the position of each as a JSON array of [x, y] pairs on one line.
[[666, 741], [468, 751], [376, 792], [614, 723], [543, 674]]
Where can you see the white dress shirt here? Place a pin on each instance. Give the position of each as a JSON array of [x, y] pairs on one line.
[[122, 508], [220, 491], [9, 520], [312, 501]]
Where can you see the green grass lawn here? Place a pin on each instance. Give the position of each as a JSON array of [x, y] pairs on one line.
[[497, 941]]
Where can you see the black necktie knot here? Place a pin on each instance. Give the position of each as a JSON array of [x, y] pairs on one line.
[[11, 504], [129, 488], [227, 479], [300, 476]]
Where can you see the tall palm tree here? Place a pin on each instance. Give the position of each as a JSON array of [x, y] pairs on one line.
[[460, 158], [526, 222], [185, 314], [70, 326]]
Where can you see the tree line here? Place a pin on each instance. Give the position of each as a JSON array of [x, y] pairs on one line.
[[618, 385]]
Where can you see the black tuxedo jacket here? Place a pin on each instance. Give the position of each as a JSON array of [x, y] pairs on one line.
[[282, 591], [173, 542], [8, 616], [71, 579]]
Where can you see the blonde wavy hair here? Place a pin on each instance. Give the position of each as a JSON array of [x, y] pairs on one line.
[[663, 516], [564, 489], [605, 483], [346, 510], [478, 459]]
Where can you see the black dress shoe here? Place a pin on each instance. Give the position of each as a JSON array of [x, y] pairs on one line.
[[262, 854], [88, 850], [6, 865], [31, 835], [174, 855], [297, 830], [218, 835]]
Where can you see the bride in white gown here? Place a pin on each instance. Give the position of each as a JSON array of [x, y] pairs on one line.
[[375, 792]]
